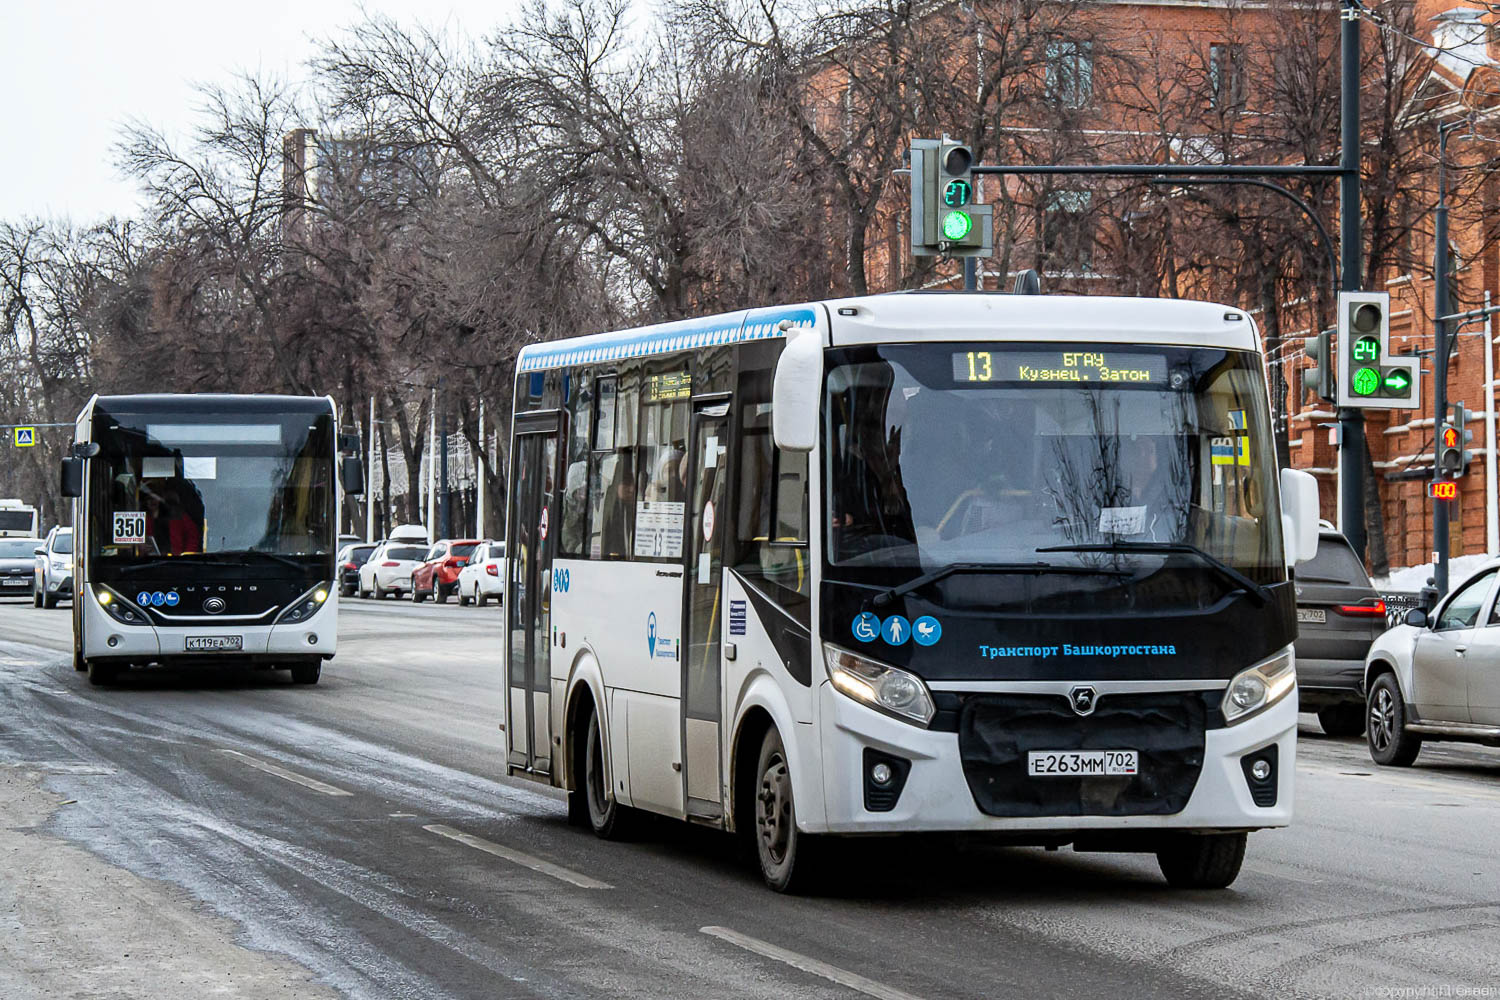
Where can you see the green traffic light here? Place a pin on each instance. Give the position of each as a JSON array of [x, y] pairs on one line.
[[1398, 383], [956, 225], [1366, 381]]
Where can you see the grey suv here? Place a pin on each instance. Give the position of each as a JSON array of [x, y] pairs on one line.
[[1339, 615]]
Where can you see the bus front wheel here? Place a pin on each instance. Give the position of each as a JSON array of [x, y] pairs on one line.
[[102, 673], [1205, 861], [785, 853], [307, 673], [608, 819]]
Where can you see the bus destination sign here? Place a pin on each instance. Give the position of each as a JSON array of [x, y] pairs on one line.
[[1089, 367]]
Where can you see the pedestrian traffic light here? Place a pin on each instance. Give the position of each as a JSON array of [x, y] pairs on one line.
[[1369, 377], [1454, 455], [944, 217], [1319, 378]]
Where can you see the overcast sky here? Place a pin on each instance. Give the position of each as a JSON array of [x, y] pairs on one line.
[[75, 70]]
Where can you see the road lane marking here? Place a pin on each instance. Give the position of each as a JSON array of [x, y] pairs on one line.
[[1432, 784], [830, 972], [517, 857], [281, 772]]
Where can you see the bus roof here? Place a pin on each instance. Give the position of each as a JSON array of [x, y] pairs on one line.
[[191, 402], [917, 316]]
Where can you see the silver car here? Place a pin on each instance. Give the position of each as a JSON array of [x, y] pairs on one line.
[[54, 569], [17, 566], [1437, 677]]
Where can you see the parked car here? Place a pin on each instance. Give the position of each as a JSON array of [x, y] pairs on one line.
[[18, 566], [350, 540], [388, 570], [1339, 615], [437, 577], [1437, 677], [53, 564], [350, 559], [484, 577]]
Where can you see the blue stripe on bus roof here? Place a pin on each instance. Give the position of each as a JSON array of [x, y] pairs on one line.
[[755, 324]]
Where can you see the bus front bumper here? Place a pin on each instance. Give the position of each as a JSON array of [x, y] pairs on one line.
[[935, 794], [106, 638]]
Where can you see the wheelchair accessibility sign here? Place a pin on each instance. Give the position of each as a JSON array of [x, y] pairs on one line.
[[25, 437]]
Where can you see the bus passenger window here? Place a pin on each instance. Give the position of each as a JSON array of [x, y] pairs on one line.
[[791, 496]]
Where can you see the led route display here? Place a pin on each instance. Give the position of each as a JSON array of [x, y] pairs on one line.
[[1096, 367]]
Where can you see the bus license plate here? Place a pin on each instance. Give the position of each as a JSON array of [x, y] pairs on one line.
[[214, 643], [1080, 763], [1317, 617]]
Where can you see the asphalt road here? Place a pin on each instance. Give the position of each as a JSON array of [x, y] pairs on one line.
[[363, 830]]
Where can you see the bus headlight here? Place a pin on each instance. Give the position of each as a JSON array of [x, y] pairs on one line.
[[890, 689], [305, 606], [118, 608], [1259, 687]]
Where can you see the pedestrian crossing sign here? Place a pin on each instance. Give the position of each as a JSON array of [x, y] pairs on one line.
[[25, 437]]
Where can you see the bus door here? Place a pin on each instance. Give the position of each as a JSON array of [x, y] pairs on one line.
[[528, 598], [708, 524]]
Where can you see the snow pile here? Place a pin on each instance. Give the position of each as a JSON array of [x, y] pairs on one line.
[[1414, 578]]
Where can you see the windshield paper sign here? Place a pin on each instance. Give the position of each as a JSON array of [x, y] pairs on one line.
[[129, 527]]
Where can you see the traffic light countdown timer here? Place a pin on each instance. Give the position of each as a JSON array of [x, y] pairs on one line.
[[1369, 377], [944, 219]]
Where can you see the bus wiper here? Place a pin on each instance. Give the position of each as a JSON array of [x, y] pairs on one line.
[[901, 590], [155, 562], [240, 555], [1259, 594]]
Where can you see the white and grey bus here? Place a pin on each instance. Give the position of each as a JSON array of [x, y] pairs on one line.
[[18, 520], [1015, 565], [205, 531]]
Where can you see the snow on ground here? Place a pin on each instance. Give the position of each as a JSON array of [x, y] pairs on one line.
[[1414, 578]]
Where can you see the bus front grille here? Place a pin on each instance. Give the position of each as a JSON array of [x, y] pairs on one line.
[[997, 732]]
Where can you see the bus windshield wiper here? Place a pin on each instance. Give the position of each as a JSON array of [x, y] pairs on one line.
[[1259, 594], [240, 555], [901, 590], [153, 562]]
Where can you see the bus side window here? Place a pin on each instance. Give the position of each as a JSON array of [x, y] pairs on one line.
[[612, 485], [575, 478], [791, 496]]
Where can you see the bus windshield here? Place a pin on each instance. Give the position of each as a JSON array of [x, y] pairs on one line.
[[174, 486], [994, 453]]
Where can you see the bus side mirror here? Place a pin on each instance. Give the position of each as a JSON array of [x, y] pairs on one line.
[[72, 477], [1299, 516], [795, 390], [352, 475]]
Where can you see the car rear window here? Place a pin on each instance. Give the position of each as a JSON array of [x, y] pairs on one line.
[[1334, 563], [463, 550], [361, 556], [406, 552]]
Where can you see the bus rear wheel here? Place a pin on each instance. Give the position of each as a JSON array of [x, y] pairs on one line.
[[786, 854], [1207, 861]]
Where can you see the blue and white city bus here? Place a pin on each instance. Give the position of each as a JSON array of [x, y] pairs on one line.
[[206, 528], [1010, 565]]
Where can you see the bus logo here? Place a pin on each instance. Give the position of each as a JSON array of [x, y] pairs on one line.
[[1083, 699], [651, 634], [560, 581]]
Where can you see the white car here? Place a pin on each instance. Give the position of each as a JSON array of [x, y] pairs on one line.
[[388, 570], [1437, 677], [484, 577], [54, 569]]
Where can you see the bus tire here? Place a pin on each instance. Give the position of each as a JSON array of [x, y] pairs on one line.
[[101, 674], [787, 856], [1391, 744], [1207, 861], [307, 673], [606, 816], [1342, 720]]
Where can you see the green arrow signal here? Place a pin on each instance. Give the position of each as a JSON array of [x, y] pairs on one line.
[[1398, 383]]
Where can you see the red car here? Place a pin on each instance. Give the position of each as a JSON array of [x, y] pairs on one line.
[[437, 577]]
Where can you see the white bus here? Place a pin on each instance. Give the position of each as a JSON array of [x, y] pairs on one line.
[[1012, 565], [206, 528], [18, 520]]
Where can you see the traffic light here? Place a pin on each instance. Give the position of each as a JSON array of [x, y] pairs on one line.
[[1454, 455], [1319, 378], [1369, 377], [944, 218]]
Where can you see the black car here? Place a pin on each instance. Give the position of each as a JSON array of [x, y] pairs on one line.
[[350, 560], [1339, 615]]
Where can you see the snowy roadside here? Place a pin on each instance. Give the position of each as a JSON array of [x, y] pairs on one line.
[[73, 926]]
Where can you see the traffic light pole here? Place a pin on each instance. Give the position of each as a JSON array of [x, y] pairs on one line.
[[1351, 419]]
